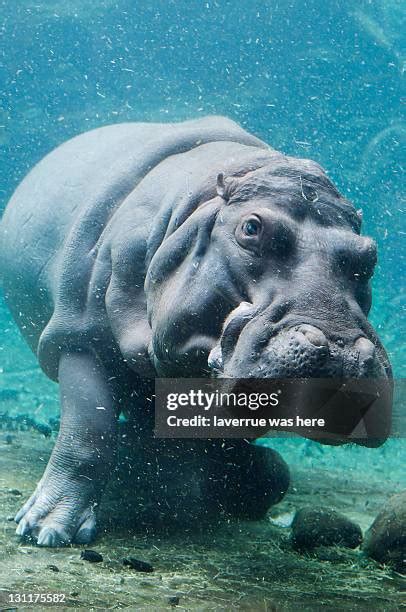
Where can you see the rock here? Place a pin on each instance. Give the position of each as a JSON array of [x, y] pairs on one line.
[[15, 492], [284, 520], [139, 566], [385, 540], [91, 555], [314, 527], [173, 600], [53, 568]]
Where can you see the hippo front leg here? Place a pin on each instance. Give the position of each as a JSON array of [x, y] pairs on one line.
[[61, 509]]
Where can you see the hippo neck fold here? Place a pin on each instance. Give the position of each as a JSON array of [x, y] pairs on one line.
[[182, 190]]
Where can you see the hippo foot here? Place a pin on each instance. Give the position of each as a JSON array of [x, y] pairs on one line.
[[58, 513], [253, 479]]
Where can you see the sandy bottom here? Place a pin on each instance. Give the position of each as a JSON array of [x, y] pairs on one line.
[[236, 565]]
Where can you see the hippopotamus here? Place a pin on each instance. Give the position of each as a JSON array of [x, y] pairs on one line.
[[143, 250]]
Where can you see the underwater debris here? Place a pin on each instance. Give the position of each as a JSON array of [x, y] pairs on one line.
[[284, 520], [173, 600], [385, 540], [139, 566], [314, 527], [23, 422], [378, 34], [92, 556], [54, 423]]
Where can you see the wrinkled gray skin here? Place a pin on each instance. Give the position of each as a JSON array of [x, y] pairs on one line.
[[138, 250]]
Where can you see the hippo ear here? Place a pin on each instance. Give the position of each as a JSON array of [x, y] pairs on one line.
[[226, 187], [221, 186]]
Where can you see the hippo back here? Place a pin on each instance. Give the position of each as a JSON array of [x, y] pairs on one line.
[[53, 226]]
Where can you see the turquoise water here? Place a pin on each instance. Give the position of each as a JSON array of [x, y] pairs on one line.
[[314, 79]]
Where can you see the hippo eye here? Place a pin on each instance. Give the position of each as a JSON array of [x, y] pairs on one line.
[[248, 233], [252, 227]]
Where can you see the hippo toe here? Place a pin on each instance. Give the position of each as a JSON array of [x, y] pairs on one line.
[[56, 517]]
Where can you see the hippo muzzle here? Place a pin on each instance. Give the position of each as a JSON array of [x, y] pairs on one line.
[[256, 345]]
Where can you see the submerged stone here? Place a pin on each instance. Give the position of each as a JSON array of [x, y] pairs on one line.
[[139, 566], [313, 527], [91, 555], [173, 600], [385, 540]]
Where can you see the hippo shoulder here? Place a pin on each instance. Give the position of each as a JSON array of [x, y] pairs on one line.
[[93, 177]]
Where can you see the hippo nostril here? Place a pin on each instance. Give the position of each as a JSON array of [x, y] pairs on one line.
[[313, 335], [365, 348]]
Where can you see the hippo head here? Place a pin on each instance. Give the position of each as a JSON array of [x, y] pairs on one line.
[[269, 277]]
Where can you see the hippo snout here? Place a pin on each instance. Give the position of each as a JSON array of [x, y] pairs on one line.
[[255, 346], [301, 351], [304, 351]]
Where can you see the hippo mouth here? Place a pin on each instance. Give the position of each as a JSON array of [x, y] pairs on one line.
[[253, 346], [257, 345]]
